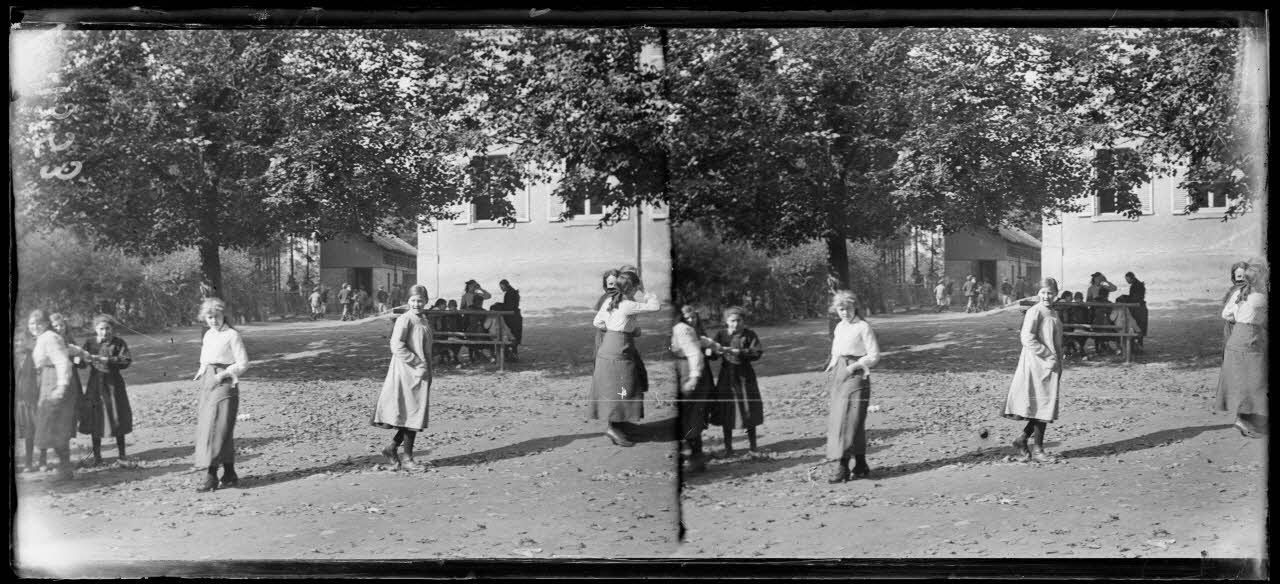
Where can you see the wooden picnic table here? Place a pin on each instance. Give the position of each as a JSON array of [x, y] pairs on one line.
[[499, 341], [1094, 331]]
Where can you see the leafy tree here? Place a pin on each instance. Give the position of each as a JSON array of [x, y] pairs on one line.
[[230, 139], [1179, 97], [778, 137]]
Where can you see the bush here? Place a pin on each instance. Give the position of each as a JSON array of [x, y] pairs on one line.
[[59, 272], [712, 274]]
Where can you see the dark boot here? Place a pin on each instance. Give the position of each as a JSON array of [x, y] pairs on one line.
[[229, 477], [210, 481]]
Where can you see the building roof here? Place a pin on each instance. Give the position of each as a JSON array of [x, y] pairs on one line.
[[393, 243], [1015, 235]]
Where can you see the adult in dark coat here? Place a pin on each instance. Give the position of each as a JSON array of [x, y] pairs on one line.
[[515, 322], [1138, 294]]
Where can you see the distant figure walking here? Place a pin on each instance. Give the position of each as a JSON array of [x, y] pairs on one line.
[[1033, 394]]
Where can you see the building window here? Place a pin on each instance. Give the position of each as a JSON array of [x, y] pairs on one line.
[[494, 179], [482, 209], [590, 207], [1207, 196], [1111, 171]]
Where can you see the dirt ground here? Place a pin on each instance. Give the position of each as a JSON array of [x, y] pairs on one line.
[[520, 470], [1149, 470]]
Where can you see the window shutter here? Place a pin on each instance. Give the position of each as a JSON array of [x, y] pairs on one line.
[[1148, 199], [464, 214], [1179, 198], [1087, 211], [555, 206], [520, 203]]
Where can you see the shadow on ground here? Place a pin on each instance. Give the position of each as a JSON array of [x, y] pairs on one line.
[[110, 475]]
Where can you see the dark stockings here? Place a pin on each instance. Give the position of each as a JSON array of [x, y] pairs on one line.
[[1035, 431], [695, 446], [97, 448], [728, 438], [406, 437]]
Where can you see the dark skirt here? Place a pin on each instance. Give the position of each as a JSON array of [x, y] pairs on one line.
[[1140, 316], [615, 392], [216, 420], [642, 374], [26, 398], [56, 418], [1242, 382], [515, 322], [737, 397], [693, 405], [105, 409]]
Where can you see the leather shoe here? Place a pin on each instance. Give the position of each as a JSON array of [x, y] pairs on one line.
[[839, 472], [210, 483], [695, 464], [229, 480], [390, 453], [618, 438], [1020, 447], [1039, 455], [861, 471]]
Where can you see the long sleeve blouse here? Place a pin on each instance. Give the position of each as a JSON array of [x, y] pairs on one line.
[[223, 346], [623, 317], [1252, 311], [51, 351], [685, 343], [856, 340]]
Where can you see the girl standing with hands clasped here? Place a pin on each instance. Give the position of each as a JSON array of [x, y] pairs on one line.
[[105, 410], [404, 403], [223, 360], [854, 351], [737, 396], [617, 391], [1033, 394]]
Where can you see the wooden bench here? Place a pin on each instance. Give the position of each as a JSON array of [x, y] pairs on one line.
[[1104, 331], [498, 342]]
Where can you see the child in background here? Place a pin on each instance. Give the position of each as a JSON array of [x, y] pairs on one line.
[[452, 323], [737, 397], [1067, 315], [317, 304]]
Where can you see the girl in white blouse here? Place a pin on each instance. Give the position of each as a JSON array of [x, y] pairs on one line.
[[58, 401], [854, 351], [223, 360], [1242, 382], [617, 391]]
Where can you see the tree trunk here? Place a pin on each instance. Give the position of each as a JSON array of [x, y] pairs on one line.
[[837, 272], [837, 260], [211, 267]]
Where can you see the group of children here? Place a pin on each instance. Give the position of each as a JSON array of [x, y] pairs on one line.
[[732, 400], [51, 403]]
